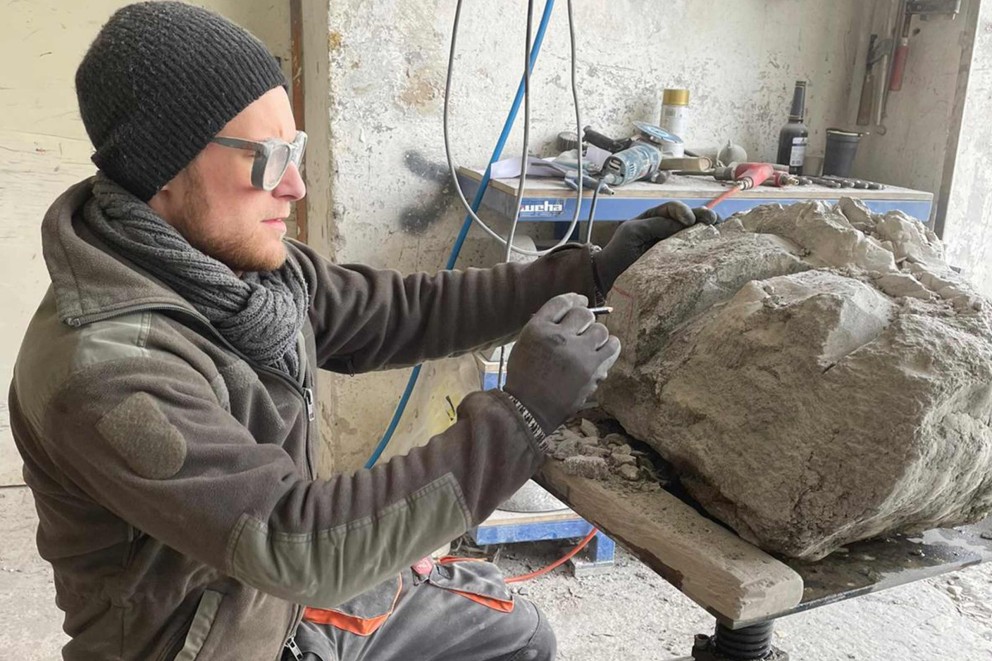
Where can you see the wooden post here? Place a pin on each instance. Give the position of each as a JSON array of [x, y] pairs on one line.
[[298, 99]]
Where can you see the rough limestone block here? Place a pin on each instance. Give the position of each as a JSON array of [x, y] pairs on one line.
[[812, 386]]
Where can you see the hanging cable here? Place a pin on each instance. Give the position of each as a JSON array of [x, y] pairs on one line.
[[523, 172], [510, 248], [524, 158], [467, 222], [454, 170], [592, 211]]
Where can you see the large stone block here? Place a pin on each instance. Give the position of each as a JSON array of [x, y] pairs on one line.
[[818, 375]]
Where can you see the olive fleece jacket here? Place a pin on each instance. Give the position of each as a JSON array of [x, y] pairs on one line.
[[174, 479]]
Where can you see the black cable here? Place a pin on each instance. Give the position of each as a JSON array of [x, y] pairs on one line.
[[592, 212]]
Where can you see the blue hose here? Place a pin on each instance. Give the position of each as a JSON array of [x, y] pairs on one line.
[[467, 224]]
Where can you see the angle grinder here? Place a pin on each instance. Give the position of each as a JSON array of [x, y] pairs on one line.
[[638, 158]]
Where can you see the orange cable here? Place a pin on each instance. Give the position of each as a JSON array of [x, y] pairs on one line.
[[560, 561]]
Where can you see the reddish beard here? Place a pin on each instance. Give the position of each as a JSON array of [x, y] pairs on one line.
[[239, 251]]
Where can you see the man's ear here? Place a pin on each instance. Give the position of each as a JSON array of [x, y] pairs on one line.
[[170, 196], [162, 201]]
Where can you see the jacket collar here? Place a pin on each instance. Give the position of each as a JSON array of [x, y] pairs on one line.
[[89, 280]]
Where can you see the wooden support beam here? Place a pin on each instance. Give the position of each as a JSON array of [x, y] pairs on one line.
[[732, 579], [298, 99]]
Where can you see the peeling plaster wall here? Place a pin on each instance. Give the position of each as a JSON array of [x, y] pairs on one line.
[[919, 118], [967, 226], [392, 203], [44, 148]]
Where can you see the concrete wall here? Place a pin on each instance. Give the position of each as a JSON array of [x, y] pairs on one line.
[[44, 148], [392, 205]]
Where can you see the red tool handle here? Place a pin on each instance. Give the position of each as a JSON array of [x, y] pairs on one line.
[[745, 176], [721, 197], [899, 65]]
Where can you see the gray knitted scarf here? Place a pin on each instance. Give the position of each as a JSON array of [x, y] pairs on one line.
[[260, 314]]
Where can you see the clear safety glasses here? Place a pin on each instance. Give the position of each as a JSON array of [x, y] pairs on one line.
[[272, 157]]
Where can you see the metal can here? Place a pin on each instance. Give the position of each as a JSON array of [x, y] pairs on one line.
[[675, 112]]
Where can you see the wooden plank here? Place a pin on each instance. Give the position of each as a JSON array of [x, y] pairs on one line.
[[732, 579], [503, 517]]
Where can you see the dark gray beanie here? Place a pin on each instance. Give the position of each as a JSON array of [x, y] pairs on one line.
[[160, 80]]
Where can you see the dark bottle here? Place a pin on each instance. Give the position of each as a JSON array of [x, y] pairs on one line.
[[794, 136]]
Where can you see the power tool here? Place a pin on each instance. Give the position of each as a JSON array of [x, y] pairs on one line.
[[639, 161], [746, 176], [634, 158]]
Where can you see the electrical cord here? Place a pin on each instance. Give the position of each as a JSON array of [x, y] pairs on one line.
[[592, 211], [471, 216], [523, 171], [508, 242], [510, 248], [557, 563], [526, 148], [466, 225], [454, 170]]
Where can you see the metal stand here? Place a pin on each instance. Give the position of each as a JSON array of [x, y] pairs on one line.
[[753, 643], [513, 527]]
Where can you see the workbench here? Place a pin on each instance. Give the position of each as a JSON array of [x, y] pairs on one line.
[[745, 588], [550, 200]]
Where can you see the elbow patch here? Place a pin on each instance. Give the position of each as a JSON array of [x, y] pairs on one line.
[[140, 433]]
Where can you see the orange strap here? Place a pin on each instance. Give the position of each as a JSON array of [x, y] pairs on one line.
[[360, 626], [451, 559], [500, 605]]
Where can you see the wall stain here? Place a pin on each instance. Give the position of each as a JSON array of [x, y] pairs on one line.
[[420, 90], [417, 218]]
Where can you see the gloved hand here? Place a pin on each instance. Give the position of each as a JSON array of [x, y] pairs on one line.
[[559, 360], [634, 237]]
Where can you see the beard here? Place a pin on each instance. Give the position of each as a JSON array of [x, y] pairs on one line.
[[241, 251]]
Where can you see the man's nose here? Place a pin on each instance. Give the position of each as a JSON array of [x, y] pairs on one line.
[[291, 187]]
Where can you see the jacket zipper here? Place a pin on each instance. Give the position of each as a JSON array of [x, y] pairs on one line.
[[304, 391]]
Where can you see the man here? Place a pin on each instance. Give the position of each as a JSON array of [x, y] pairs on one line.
[[163, 398]]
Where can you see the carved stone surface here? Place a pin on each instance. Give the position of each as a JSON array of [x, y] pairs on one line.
[[817, 374]]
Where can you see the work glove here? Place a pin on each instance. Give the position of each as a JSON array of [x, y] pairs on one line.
[[635, 237], [560, 358]]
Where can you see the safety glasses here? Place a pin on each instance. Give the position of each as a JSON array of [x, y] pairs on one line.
[[272, 157]]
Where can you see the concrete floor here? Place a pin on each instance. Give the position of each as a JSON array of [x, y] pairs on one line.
[[628, 614]]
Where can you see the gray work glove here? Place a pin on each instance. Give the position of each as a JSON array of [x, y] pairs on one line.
[[635, 237], [559, 360]]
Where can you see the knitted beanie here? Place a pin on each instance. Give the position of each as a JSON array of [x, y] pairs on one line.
[[159, 81]]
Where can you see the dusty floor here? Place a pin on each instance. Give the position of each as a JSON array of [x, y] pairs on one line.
[[629, 614]]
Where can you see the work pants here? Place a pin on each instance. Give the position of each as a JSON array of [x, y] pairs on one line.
[[435, 611]]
